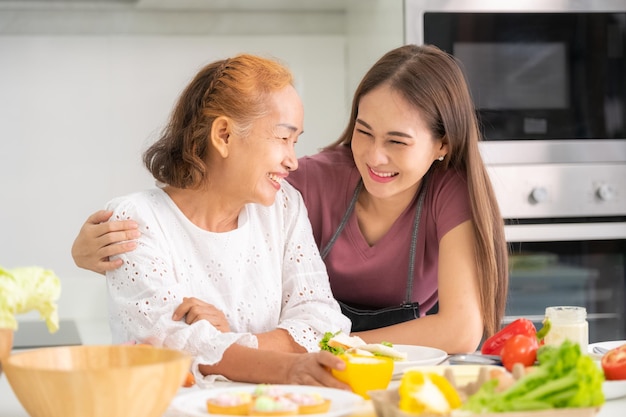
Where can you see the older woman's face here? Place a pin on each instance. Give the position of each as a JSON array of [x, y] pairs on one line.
[[267, 155], [391, 144]]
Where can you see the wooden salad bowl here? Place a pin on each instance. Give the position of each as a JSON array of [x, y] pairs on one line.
[[96, 381], [6, 344]]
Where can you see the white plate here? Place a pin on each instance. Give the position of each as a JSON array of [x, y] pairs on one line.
[[417, 356], [607, 345], [611, 389], [193, 404], [614, 389]]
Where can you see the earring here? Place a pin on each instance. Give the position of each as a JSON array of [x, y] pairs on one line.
[[440, 158]]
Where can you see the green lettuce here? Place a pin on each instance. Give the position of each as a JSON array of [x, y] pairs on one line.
[[324, 343], [26, 289], [564, 378]]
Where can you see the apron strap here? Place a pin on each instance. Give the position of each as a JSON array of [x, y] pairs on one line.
[[416, 220], [344, 220]]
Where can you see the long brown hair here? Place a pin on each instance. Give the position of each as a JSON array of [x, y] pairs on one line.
[[237, 88], [432, 81]]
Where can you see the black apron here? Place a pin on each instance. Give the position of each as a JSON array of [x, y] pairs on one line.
[[369, 319]]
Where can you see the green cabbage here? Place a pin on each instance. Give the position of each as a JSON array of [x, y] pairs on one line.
[[26, 289]]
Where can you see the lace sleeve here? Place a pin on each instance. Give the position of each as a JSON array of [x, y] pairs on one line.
[[309, 308]]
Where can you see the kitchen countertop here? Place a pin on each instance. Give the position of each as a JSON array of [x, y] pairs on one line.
[[97, 332]]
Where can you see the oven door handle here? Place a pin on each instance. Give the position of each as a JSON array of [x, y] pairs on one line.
[[565, 232]]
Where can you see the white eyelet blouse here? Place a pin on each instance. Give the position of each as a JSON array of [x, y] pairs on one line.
[[266, 274]]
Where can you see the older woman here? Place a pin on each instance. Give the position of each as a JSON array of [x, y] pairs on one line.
[[225, 233]]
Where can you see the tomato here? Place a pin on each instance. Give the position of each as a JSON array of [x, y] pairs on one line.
[[614, 363], [519, 349], [190, 380]]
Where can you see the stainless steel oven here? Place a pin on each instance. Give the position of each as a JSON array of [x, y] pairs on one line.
[[549, 82], [566, 226]]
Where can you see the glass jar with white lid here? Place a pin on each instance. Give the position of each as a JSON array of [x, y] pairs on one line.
[[568, 322]]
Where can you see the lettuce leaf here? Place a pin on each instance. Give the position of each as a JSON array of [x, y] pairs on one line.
[[564, 378], [29, 288], [324, 343]]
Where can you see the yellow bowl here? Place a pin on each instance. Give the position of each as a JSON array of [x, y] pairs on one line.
[[365, 373], [96, 381]]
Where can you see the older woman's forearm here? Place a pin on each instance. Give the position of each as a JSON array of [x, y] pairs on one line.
[[279, 340]]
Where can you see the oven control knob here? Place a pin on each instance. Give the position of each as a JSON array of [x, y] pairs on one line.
[[538, 195], [605, 192]]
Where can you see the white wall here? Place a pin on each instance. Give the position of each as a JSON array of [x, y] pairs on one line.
[[85, 87], [76, 111], [373, 28]]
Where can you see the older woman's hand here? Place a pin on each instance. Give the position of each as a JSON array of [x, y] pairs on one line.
[[193, 310], [314, 369]]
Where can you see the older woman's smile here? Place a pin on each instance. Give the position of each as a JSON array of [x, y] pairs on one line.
[[276, 179]]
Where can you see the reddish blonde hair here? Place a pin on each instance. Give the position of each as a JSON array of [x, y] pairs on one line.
[[237, 88]]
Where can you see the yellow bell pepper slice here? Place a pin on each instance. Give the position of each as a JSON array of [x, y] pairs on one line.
[[365, 373], [427, 392]]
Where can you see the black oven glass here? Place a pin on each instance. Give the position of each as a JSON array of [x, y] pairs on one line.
[[590, 274], [540, 75]]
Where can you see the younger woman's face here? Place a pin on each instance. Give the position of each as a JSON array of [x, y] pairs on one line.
[[392, 146]]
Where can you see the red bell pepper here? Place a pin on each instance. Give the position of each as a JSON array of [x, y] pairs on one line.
[[493, 345]]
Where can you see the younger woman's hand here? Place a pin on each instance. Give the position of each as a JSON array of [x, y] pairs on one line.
[[99, 239]]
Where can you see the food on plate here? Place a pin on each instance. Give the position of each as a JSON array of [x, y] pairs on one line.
[[427, 392], [267, 400], [614, 363], [564, 378], [339, 342], [523, 326], [267, 405], [369, 366], [365, 373], [310, 402], [267, 389], [230, 403]]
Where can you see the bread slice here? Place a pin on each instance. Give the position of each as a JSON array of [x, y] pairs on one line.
[[342, 340], [384, 350]]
